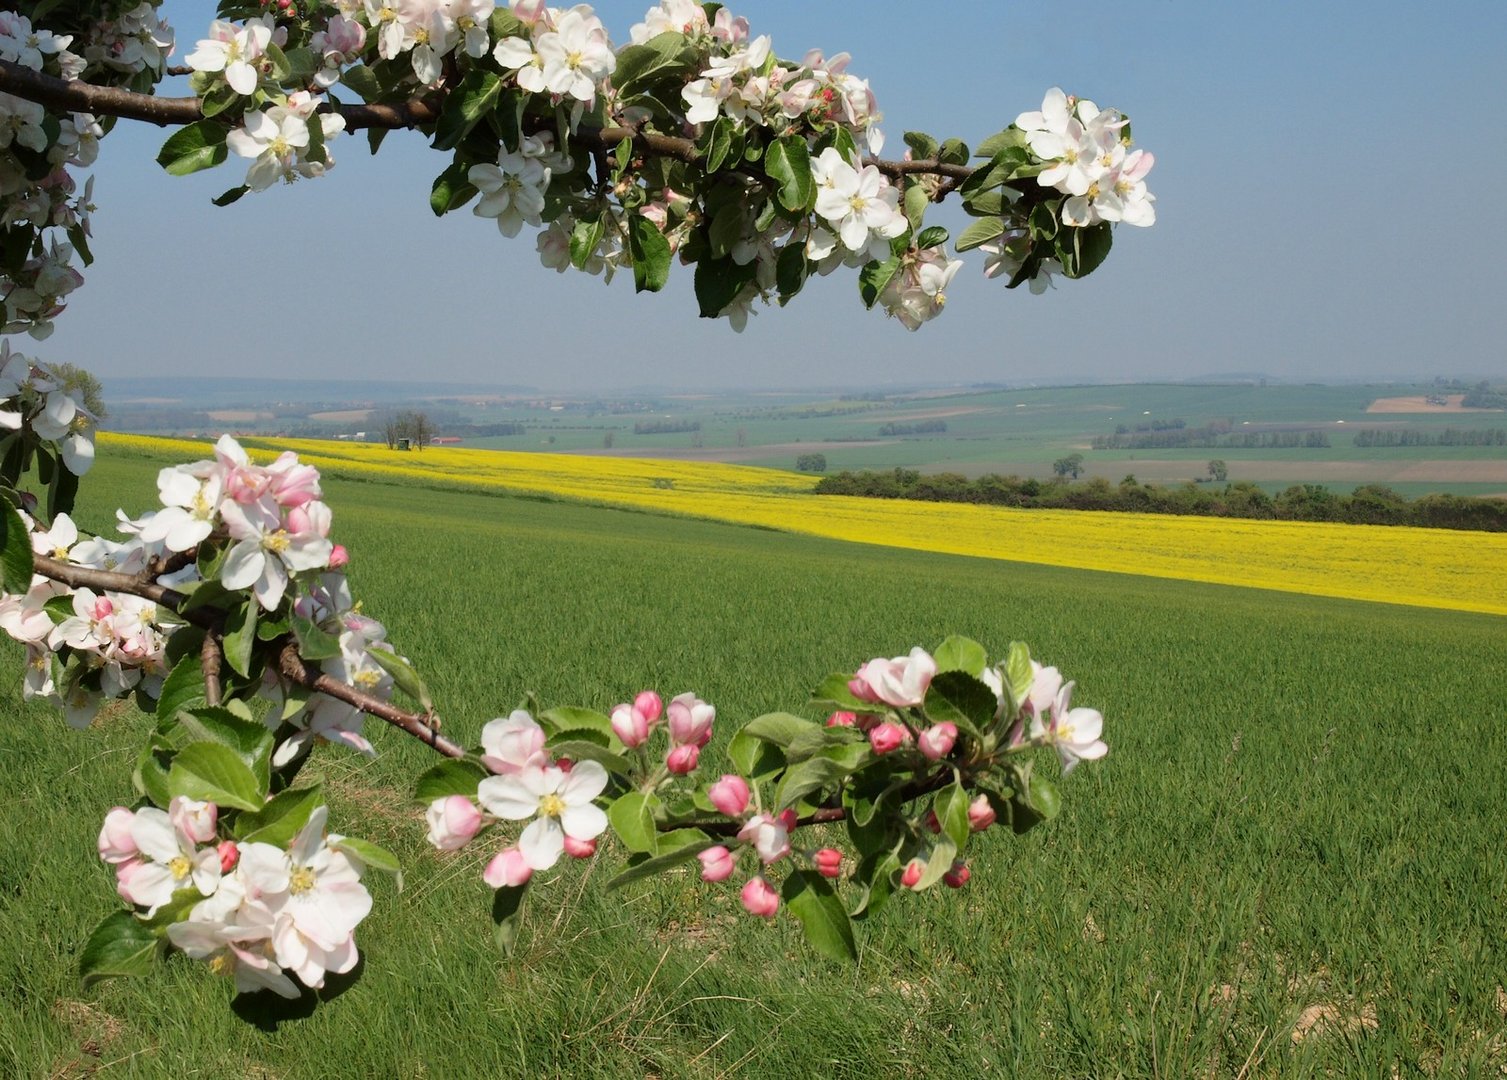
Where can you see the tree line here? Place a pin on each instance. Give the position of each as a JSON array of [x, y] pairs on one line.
[[1370, 504], [1448, 437]]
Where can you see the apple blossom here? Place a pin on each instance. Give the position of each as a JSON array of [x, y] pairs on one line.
[[729, 795], [513, 744], [716, 864], [759, 898], [828, 862], [958, 876], [453, 821], [936, 741], [233, 51], [508, 869], [629, 725], [887, 736], [580, 849], [1074, 732], [842, 718], [169, 860], [115, 842], [559, 803], [912, 873], [899, 682], [980, 813], [681, 760], [690, 720], [649, 706], [769, 836]]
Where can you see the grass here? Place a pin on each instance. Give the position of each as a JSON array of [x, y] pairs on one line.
[[1300, 812]]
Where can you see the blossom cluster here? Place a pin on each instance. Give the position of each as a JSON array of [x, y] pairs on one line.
[[1089, 160], [31, 400], [555, 796], [37, 189], [258, 912], [687, 721]]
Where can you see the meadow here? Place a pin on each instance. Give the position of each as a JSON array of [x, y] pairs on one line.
[[1291, 864]]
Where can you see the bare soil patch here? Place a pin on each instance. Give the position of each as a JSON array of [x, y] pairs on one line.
[[1421, 404], [341, 416], [239, 416]]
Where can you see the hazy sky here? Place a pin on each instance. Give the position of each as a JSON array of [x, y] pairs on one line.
[[1329, 177]]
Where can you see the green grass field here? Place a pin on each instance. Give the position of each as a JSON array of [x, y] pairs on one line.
[[1300, 816]]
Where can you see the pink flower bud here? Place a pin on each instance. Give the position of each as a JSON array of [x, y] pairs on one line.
[[690, 721], [649, 706], [842, 719], [229, 854], [788, 818], [338, 557], [580, 849], [932, 824], [729, 795], [958, 876], [126, 884], [682, 759], [828, 862], [103, 608], [195, 820], [980, 814], [913, 871], [887, 736], [508, 867], [759, 898], [716, 864], [629, 725], [564, 764], [115, 842], [936, 741], [452, 822]]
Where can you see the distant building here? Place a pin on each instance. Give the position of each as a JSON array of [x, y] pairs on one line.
[[444, 440]]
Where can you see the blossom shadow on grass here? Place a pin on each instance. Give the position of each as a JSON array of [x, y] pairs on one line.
[[267, 1010]]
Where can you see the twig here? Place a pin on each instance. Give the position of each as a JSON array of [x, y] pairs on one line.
[[209, 663], [74, 96]]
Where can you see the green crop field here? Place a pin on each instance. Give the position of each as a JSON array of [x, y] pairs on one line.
[[1291, 864]]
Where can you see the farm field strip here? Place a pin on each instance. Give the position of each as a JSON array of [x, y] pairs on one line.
[[1421, 567]]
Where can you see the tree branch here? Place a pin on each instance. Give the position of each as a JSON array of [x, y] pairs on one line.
[[64, 95], [209, 663]]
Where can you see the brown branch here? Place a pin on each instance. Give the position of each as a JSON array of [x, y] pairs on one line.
[[82, 577], [73, 96], [209, 663], [420, 726]]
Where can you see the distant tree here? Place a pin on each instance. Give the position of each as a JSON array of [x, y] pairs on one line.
[[742, 436], [1071, 465], [392, 429], [1218, 470], [1129, 481], [811, 463], [607, 441], [420, 430]]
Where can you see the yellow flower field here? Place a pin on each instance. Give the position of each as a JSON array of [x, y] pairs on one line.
[[1442, 568]]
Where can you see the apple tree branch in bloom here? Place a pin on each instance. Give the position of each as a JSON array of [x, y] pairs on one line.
[[225, 613]]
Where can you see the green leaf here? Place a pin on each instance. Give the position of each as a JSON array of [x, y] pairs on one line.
[[632, 818], [228, 197], [452, 189], [651, 254], [1019, 672], [958, 653], [1043, 797], [121, 945], [779, 728], [240, 636], [874, 277], [583, 750], [935, 236], [404, 676], [584, 239], [569, 718], [314, 642], [15, 551], [370, 855], [718, 283], [834, 691], [246, 738], [980, 232], [1090, 248], [718, 144], [953, 152], [814, 903], [923, 147], [813, 774], [961, 699], [1009, 139], [507, 907], [61, 492], [473, 97], [1043, 221], [875, 877], [454, 777], [150, 776], [200, 145], [943, 852], [788, 163], [951, 808], [661, 57], [363, 81], [215, 773], [819, 739], [791, 270], [279, 821], [658, 864], [916, 202], [754, 758]]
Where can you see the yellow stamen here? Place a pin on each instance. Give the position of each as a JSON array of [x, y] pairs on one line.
[[300, 881], [551, 805]]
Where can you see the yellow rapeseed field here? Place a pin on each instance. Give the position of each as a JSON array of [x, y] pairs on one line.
[[1442, 568]]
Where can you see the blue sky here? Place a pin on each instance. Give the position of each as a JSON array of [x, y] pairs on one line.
[[1329, 180]]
